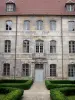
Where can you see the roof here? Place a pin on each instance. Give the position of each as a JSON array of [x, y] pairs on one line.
[[37, 7]]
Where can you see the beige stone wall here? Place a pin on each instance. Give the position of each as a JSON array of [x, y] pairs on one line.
[[32, 35]]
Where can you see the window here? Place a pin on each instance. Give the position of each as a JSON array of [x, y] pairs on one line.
[[71, 25], [39, 25], [39, 46], [52, 25], [26, 46], [71, 46], [26, 24], [70, 7], [9, 25], [6, 69], [52, 46], [25, 69], [7, 46], [71, 70], [52, 70], [10, 7]]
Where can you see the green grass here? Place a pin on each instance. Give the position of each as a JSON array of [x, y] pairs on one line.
[[71, 97]]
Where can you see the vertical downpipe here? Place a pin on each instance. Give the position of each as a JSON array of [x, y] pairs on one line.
[[62, 45], [15, 48]]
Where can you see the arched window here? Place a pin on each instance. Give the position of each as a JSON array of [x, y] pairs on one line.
[[26, 25], [26, 46], [53, 70], [71, 46], [71, 70], [7, 46], [52, 46], [8, 25], [52, 25], [39, 46], [25, 69], [6, 69], [39, 25]]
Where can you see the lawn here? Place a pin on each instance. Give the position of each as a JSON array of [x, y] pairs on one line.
[[71, 97]]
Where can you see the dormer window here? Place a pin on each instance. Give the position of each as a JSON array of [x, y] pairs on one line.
[[70, 6], [10, 6]]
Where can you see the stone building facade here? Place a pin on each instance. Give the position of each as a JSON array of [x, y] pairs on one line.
[[37, 46]]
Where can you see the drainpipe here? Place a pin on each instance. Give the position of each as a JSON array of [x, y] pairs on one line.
[[15, 48], [62, 45]]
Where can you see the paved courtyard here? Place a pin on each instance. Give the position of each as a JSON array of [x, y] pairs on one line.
[[37, 92]]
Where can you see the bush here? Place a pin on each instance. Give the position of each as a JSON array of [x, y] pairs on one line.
[[22, 84], [13, 93], [62, 93], [59, 84]]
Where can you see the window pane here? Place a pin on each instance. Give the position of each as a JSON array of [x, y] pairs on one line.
[[53, 46], [52, 70], [26, 46], [25, 69], [7, 46], [8, 25], [71, 26], [26, 25], [39, 25], [71, 46], [39, 46], [10, 7], [52, 25], [6, 69]]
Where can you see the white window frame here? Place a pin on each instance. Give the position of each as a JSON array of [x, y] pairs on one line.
[[70, 7]]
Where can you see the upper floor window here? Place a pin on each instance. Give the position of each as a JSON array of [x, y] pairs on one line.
[[6, 69], [7, 46], [9, 25], [10, 6], [52, 46], [26, 46], [71, 46], [52, 25], [39, 25], [71, 25], [26, 25], [70, 5], [39, 46], [25, 69], [53, 70]]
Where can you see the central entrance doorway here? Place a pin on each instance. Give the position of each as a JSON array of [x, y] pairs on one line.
[[39, 72]]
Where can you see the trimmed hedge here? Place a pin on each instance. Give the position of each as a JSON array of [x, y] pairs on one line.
[[13, 93], [61, 93], [22, 84], [59, 84]]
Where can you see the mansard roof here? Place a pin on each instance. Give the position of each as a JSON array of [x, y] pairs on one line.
[[37, 7]]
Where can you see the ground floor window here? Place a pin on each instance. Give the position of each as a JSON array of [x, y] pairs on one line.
[[25, 69], [6, 69], [71, 70], [53, 70]]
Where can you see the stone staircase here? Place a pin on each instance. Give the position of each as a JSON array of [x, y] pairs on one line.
[[37, 92]]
